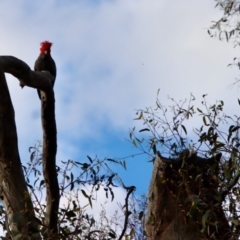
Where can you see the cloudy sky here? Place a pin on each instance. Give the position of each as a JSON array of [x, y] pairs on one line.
[[112, 56]]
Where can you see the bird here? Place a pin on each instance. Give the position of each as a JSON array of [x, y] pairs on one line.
[[45, 62]]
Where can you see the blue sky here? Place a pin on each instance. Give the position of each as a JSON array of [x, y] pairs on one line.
[[112, 57]]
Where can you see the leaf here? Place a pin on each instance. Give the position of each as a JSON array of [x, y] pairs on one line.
[[235, 128], [134, 143], [204, 218], [41, 183], [231, 33], [158, 105], [220, 36], [38, 220], [84, 193], [184, 129], [205, 121], [235, 221], [112, 234], [35, 181], [154, 148], [111, 160], [230, 130], [72, 186], [67, 177], [85, 166], [89, 159], [226, 35], [140, 215], [30, 186], [140, 117], [86, 196], [112, 193], [30, 149], [124, 165], [144, 129], [32, 156], [140, 141], [70, 214], [90, 201], [130, 135], [18, 236]]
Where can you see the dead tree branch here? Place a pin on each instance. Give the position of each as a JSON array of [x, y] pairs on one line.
[[42, 81], [13, 189]]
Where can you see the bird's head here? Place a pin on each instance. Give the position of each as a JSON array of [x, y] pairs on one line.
[[45, 47]]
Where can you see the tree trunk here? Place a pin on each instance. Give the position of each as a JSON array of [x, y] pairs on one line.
[[176, 189], [13, 188], [49, 161]]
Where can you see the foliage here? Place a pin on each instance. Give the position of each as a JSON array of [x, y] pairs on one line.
[[228, 26], [78, 181], [168, 129]]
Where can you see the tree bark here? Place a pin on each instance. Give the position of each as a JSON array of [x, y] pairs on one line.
[[49, 161], [14, 188], [174, 188]]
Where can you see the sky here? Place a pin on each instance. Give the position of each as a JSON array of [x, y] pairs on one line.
[[112, 56]]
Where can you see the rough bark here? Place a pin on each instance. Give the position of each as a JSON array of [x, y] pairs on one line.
[[174, 187], [19, 69], [15, 188], [49, 160]]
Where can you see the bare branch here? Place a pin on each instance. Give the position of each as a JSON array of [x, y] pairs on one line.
[[14, 192], [42, 81], [20, 70]]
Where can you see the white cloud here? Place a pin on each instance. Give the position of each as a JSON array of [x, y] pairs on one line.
[[112, 56]]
